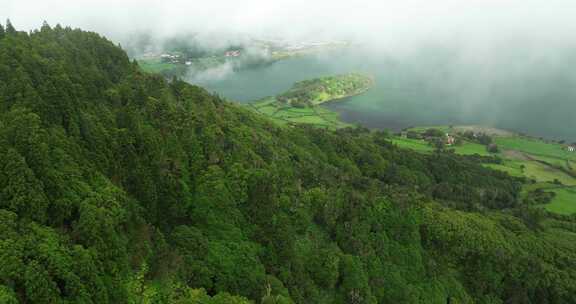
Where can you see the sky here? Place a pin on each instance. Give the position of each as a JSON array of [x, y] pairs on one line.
[[388, 20]]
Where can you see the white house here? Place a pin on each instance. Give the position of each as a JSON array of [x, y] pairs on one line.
[[234, 53], [571, 149], [450, 140]]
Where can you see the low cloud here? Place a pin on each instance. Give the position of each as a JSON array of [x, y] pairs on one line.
[[216, 73], [382, 21]]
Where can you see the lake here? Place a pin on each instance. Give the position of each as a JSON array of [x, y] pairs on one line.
[[428, 88]]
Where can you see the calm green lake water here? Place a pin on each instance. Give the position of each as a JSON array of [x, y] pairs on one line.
[[428, 89]]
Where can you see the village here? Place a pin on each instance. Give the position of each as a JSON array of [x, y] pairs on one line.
[[443, 138], [181, 59], [268, 49]]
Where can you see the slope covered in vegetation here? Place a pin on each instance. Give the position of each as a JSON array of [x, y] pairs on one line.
[[117, 186]]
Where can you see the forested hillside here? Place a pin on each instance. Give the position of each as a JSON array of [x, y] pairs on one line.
[[117, 186]]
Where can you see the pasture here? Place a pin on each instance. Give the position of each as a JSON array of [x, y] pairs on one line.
[[155, 65], [564, 202], [470, 148], [413, 144], [535, 147], [282, 114]]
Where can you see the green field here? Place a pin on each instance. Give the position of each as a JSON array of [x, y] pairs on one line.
[[284, 114], [535, 147], [155, 65], [564, 202], [467, 148], [509, 166], [470, 148], [544, 173], [543, 162], [414, 144]]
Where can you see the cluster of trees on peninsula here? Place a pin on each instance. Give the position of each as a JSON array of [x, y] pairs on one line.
[[312, 92], [118, 186]]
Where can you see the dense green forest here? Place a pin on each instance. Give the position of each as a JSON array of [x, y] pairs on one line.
[[117, 186]]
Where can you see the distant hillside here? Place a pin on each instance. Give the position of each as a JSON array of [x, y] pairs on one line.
[[117, 186]]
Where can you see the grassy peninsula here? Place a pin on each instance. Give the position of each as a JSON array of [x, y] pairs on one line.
[[300, 104]]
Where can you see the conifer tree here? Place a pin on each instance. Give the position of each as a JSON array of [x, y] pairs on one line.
[[45, 27], [9, 27], [20, 190]]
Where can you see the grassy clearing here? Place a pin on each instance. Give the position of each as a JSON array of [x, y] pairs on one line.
[[564, 202], [535, 147], [469, 148], [414, 144], [544, 173], [299, 111], [284, 114], [514, 168], [545, 162], [313, 119], [155, 65], [268, 110], [554, 161]]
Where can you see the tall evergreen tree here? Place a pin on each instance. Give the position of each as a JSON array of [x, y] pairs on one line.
[[2, 31], [9, 27], [20, 190], [45, 27]]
